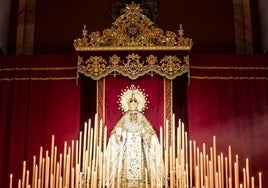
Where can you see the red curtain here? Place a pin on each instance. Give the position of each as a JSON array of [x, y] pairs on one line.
[[152, 86], [228, 98], [39, 98]]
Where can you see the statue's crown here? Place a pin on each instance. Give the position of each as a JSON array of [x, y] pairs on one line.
[[133, 103], [132, 98]]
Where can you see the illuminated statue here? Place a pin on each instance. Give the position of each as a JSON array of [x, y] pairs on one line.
[[133, 151]]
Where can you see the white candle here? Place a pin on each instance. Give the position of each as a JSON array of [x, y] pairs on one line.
[[10, 180]]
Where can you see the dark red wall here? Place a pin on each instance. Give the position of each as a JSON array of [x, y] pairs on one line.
[[209, 23]]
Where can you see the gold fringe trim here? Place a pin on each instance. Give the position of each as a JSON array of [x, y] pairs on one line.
[[34, 78], [229, 67], [228, 78], [37, 68]]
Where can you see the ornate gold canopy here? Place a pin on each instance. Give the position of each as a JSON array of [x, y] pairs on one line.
[[133, 46]]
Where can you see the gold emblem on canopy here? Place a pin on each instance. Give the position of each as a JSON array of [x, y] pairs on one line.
[[133, 46]]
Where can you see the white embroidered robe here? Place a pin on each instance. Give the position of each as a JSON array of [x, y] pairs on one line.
[[133, 149]]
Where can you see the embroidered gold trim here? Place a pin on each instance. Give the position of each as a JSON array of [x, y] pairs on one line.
[[37, 68], [133, 66], [229, 67], [228, 78], [38, 79]]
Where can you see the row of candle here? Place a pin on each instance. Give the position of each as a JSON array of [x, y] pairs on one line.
[[83, 163]]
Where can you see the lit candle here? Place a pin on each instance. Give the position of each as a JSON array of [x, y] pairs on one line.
[[247, 172], [27, 178], [35, 176], [84, 146], [40, 161], [34, 162], [260, 180], [244, 178], [214, 154], [191, 164], [236, 175], [23, 174], [226, 170], [230, 161], [19, 184], [52, 154], [10, 180], [252, 182]]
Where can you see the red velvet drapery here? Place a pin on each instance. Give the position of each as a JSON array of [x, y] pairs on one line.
[[38, 98], [228, 98], [153, 87]]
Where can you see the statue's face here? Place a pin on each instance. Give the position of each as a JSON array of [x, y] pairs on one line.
[[133, 117]]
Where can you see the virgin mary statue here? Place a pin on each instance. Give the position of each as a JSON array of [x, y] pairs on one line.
[[133, 151]]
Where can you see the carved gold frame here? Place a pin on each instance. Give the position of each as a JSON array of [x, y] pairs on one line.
[[133, 46]]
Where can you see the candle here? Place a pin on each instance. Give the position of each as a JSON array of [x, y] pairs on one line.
[[72, 155], [247, 172], [33, 174], [19, 184], [23, 174], [226, 171], [55, 160], [27, 178], [57, 174], [79, 148], [230, 182], [252, 182], [214, 154], [43, 172], [260, 180], [236, 175], [47, 171], [10, 180], [244, 178], [52, 154], [40, 161], [230, 161], [84, 146], [72, 178], [190, 166]]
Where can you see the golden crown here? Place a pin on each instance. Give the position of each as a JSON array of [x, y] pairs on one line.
[[133, 98]]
